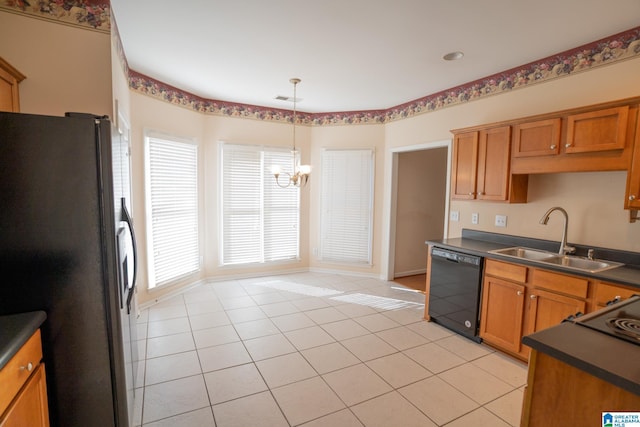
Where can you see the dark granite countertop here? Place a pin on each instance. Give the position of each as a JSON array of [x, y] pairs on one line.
[[15, 330], [480, 243], [609, 358]]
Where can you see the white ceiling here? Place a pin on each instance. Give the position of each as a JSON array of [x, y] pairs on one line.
[[350, 54]]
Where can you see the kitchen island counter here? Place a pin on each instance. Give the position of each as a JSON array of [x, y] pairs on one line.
[[577, 374]]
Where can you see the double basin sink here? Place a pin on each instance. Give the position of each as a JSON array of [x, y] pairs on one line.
[[551, 258]]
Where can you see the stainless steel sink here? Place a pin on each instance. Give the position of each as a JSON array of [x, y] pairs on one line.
[[582, 264], [567, 261], [525, 253]]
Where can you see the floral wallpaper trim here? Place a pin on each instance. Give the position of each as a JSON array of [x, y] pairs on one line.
[[92, 14], [622, 46], [117, 42]]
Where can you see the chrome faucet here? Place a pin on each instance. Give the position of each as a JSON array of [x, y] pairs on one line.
[[564, 249]]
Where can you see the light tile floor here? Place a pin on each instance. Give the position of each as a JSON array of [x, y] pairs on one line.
[[315, 350]]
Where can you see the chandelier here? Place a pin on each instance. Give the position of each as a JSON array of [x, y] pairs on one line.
[[300, 175]]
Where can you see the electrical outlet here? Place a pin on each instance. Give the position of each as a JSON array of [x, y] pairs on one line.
[[474, 218], [454, 216], [501, 220]]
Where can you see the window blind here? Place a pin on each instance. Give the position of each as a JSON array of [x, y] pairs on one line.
[[172, 188], [260, 221], [346, 206]]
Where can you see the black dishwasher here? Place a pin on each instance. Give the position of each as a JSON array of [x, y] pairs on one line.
[[454, 295]]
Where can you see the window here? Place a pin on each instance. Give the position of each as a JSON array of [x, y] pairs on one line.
[[259, 220], [346, 206], [172, 207]]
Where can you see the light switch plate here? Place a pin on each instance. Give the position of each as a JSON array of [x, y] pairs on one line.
[[454, 216], [474, 218], [501, 220]]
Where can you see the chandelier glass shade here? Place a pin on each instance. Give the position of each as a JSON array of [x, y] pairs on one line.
[[300, 175]]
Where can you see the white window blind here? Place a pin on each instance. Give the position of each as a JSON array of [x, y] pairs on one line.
[[346, 206], [260, 221], [172, 200]]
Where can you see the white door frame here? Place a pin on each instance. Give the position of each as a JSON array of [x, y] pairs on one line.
[[390, 200]]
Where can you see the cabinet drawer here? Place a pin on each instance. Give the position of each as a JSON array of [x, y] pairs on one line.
[[15, 372], [606, 292], [568, 285], [505, 270]]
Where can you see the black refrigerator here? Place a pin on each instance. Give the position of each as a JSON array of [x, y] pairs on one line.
[[67, 247]]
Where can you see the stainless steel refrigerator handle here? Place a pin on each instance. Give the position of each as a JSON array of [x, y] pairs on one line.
[[127, 218]]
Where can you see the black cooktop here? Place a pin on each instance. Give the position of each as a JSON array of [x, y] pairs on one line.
[[621, 320]]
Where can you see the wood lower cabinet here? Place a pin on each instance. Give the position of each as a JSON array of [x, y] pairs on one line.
[[548, 309], [518, 300], [503, 305], [608, 292], [502, 313], [30, 406], [23, 394]]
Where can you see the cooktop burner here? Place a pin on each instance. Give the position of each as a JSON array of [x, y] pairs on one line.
[[625, 326]]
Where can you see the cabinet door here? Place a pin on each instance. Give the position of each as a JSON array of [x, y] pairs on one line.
[[539, 138], [597, 130], [502, 313], [632, 200], [465, 165], [547, 309], [30, 406], [9, 79], [493, 163]]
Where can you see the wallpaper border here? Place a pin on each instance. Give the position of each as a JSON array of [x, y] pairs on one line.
[[88, 14], [619, 47]]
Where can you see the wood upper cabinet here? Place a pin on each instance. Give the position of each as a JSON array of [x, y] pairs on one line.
[[9, 80], [464, 165], [23, 395], [600, 130], [494, 155], [538, 138], [632, 196], [481, 167]]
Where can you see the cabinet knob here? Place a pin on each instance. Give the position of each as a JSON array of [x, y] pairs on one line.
[[553, 147], [567, 145], [472, 193], [519, 293], [533, 297], [632, 197], [29, 367], [481, 193]]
